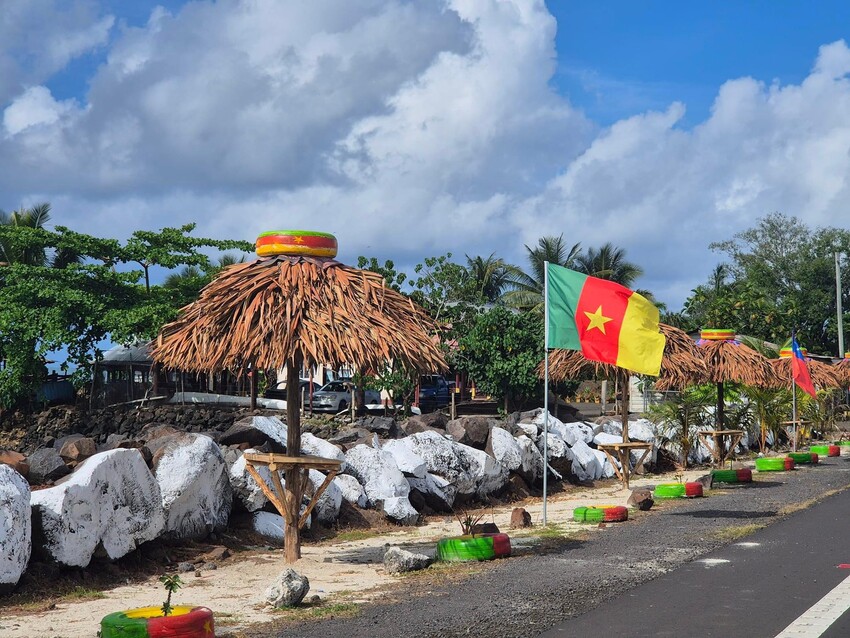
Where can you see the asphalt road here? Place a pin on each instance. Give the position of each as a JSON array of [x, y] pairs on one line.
[[572, 587], [754, 588]]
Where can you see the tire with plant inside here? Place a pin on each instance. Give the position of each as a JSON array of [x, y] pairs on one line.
[[478, 547], [803, 458], [669, 490], [771, 464], [744, 475], [601, 514], [148, 622]]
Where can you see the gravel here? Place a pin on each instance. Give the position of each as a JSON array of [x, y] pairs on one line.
[[524, 596]]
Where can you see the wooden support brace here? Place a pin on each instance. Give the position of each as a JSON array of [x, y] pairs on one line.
[[315, 499], [266, 489]]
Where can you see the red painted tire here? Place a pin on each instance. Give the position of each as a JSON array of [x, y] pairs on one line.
[[745, 475], [296, 242], [501, 544], [717, 334], [600, 514], [815, 459], [834, 450], [693, 490], [616, 514], [789, 463]]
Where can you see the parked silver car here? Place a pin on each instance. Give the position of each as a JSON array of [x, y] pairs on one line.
[[336, 397]]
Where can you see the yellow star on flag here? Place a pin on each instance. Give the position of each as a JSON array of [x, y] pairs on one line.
[[597, 320], [208, 628], [298, 240]]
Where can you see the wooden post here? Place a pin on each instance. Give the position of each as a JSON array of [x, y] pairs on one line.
[[720, 405], [453, 409], [253, 374], [625, 409], [294, 488]]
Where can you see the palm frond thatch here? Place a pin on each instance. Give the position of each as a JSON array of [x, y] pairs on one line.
[[823, 375], [681, 363], [281, 309], [733, 361]]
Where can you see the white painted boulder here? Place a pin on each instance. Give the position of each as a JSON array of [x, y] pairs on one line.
[[377, 472], [314, 446], [327, 507], [505, 449], [438, 493], [531, 468], [111, 501], [193, 480], [558, 453], [441, 458], [271, 426], [399, 509], [586, 465], [272, 525], [410, 463], [15, 526], [245, 489], [351, 489], [603, 438], [488, 475], [607, 469]]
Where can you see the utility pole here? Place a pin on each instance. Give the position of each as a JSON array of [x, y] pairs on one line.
[[838, 306]]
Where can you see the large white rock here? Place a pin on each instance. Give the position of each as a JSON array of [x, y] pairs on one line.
[[570, 432], [193, 480], [531, 467], [314, 446], [642, 430], [528, 429], [604, 463], [586, 466], [271, 426], [441, 458], [245, 488], [15, 526], [410, 463], [111, 500], [399, 509], [487, 474], [377, 472], [327, 507], [504, 448], [272, 525], [603, 438], [438, 493], [351, 489]]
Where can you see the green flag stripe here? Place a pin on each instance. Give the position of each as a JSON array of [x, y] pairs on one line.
[[565, 288]]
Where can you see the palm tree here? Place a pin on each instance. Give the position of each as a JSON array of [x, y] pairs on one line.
[[35, 217], [609, 262], [527, 288], [491, 275]]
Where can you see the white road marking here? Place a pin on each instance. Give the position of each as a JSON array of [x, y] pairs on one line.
[[748, 544], [821, 615], [712, 562]]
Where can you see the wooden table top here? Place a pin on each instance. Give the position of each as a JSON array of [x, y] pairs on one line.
[[315, 462], [720, 432], [632, 444]]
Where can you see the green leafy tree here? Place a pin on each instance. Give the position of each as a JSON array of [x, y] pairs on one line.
[[679, 419], [526, 287], [392, 278], [608, 262], [501, 352], [490, 275], [171, 583]]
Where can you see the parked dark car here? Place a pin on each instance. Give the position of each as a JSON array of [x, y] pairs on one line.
[[433, 392], [278, 391]]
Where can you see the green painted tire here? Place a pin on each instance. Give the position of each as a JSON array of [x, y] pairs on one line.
[[601, 514], [465, 548], [669, 490], [725, 476], [148, 622], [771, 464], [820, 450]]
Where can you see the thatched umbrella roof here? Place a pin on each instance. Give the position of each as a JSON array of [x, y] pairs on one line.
[[681, 363], [823, 375], [733, 361], [281, 309], [842, 369]]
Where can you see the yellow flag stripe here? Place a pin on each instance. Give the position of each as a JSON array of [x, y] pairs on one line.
[[641, 345]]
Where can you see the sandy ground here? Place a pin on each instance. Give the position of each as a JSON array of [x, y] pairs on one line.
[[348, 571]]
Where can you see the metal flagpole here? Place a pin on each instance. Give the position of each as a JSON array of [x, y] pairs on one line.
[[545, 384], [793, 394]]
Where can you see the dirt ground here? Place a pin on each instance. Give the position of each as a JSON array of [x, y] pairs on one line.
[[342, 571]]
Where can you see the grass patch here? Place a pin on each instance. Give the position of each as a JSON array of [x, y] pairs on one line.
[[734, 532], [355, 535], [320, 610], [83, 593]]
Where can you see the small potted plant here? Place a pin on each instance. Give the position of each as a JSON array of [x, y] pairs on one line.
[[188, 621], [472, 546]]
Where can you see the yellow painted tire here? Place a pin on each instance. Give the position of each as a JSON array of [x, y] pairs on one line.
[[296, 242], [148, 622], [717, 334]]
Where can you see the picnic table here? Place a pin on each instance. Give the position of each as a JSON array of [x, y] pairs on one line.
[[714, 440], [622, 454]]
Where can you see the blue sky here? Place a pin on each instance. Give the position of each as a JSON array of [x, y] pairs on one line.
[[412, 129]]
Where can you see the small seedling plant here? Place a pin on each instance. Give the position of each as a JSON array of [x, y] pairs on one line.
[[467, 522], [172, 583]]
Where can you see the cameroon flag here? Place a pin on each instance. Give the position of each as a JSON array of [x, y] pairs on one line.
[[606, 321]]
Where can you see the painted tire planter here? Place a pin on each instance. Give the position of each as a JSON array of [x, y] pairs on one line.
[[693, 490], [825, 450], [803, 458], [717, 334], [789, 463], [478, 547], [148, 622], [669, 490], [771, 464], [732, 476], [296, 242], [601, 514]]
